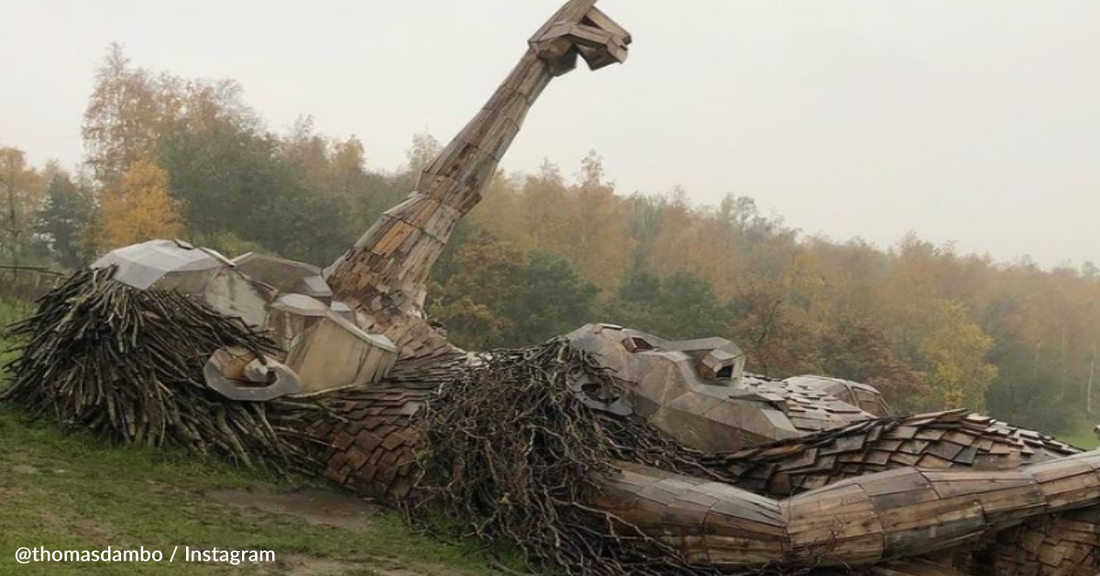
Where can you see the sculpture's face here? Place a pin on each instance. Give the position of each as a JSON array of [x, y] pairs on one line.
[[325, 348], [692, 390], [696, 390], [713, 366]]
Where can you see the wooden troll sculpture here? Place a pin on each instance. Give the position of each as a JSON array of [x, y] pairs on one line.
[[951, 491], [734, 473]]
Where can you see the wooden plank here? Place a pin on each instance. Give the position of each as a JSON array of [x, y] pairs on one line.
[[602, 20], [571, 13]]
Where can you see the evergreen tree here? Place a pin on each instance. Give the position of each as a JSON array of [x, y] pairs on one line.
[[22, 193], [550, 299], [64, 220]]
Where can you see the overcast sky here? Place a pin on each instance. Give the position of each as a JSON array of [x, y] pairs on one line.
[[963, 120]]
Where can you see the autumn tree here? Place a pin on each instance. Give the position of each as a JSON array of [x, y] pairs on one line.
[[957, 371], [762, 320], [129, 110], [855, 348], [469, 301], [329, 167], [543, 211], [138, 208], [494, 295], [597, 242], [673, 224], [424, 150]]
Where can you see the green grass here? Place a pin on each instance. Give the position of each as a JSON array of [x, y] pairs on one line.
[[86, 495], [71, 491], [10, 311], [1082, 437]]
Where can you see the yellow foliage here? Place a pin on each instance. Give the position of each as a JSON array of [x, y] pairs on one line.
[[586, 223], [956, 352], [138, 208]]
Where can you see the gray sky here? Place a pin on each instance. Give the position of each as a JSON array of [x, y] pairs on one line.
[[976, 121]]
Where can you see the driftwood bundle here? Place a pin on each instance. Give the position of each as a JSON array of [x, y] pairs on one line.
[[512, 455], [127, 364]]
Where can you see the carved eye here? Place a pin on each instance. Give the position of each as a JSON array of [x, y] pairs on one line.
[[722, 364], [637, 344]]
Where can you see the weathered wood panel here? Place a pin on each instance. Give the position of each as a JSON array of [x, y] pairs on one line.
[[862, 521]]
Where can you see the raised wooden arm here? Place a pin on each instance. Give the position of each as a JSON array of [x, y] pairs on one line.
[[386, 270]]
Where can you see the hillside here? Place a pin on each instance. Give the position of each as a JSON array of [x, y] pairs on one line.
[[72, 492]]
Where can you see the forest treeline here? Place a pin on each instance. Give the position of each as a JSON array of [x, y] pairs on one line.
[[548, 251]]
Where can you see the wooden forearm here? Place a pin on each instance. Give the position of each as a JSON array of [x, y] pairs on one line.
[[903, 512], [387, 268], [860, 520]]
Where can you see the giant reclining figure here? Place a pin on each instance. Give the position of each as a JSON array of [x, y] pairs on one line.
[[930, 485], [821, 475]]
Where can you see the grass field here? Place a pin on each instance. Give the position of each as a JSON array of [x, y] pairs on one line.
[[71, 491], [10, 311]]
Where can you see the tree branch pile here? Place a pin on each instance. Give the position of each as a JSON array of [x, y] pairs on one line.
[[513, 455], [127, 364]]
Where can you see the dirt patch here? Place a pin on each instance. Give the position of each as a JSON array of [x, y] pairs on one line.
[[310, 566], [99, 533], [314, 506], [299, 565], [326, 508]]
